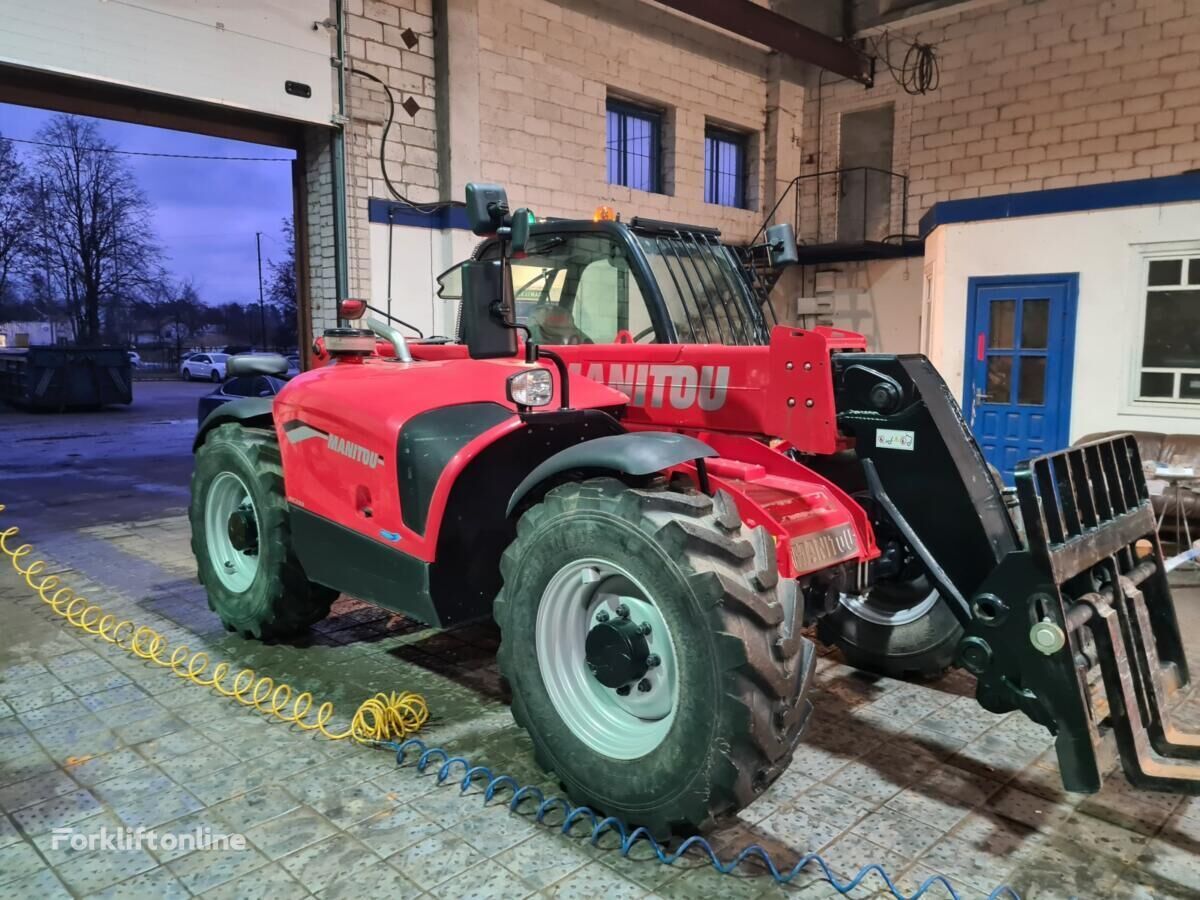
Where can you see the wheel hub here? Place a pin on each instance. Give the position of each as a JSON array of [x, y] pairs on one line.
[[243, 529], [607, 658], [617, 652]]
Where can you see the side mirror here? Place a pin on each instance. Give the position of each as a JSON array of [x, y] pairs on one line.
[[484, 310], [450, 283], [351, 309], [781, 242], [487, 206]]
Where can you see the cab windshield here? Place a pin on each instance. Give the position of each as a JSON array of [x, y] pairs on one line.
[[705, 291]]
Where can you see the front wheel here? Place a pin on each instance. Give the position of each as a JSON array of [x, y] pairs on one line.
[[215, 376], [187, 374], [653, 658], [241, 539]]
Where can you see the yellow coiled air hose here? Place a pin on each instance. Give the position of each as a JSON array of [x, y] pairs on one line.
[[384, 717]]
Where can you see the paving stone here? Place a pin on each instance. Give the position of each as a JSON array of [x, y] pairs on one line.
[[896, 832], [390, 831], [52, 694], [269, 882], [255, 807], [94, 872], [319, 865], [173, 745], [544, 858], [384, 884], [18, 860], [446, 805], [1100, 837], [435, 859], [203, 869], [355, 803], [1065, 870], [44, 885], [493, 829], [594, 880], [286, 834], [93, 770], [800, 830], [8, 832], [158, 883], [94, 684], [36, 789], [30, 765], [1171, 860], [56, 812], [114, 696], [199, 762], [484, 881], [52, 714], [56, 848]]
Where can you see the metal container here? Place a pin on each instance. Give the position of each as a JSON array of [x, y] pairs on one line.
[[59, 378]]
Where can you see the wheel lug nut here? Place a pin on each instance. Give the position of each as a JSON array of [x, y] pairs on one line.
[[623, 690], [602, 616], [652, 660], [644, 628], [623, 611], [644, 685]]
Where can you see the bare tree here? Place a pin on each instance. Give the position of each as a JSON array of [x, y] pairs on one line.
[[96, 234], [16, 214], [282, 288]]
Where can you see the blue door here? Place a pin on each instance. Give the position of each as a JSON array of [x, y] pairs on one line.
[[1020, 351]]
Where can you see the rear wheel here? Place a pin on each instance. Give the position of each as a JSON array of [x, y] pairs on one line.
[[241, 540], [666, 677], [899, 628]]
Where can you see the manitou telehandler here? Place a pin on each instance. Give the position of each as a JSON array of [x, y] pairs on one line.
[[653, 493]]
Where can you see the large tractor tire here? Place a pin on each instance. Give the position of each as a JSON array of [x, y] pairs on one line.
[[241, 541], [899, 628], [654, 659]]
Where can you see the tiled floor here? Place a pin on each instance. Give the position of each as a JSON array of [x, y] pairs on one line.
[[915, 777]]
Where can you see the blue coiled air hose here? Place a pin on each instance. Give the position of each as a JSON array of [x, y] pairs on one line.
[[629, 839]]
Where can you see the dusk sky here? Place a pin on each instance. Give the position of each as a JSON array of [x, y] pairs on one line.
[[205, 211]]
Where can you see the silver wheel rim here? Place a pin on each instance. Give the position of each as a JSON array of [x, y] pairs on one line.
[[235, 568], [880, 614], [576, 599]]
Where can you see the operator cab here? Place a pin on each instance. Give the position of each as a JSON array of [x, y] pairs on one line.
[[605, 281]]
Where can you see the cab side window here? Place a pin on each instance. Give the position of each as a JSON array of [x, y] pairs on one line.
[[586, 292]]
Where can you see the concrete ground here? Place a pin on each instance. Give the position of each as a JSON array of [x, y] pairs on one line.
[[915, 777]]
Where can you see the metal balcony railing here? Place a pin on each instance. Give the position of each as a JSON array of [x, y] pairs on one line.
[[841, 214]]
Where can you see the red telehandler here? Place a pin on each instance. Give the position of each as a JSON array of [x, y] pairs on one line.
[[653, 493]]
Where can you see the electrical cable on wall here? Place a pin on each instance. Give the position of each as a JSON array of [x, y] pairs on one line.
[[425, 210], [919, 73]]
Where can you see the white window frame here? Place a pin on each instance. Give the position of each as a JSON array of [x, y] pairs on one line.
[[1140, 288]]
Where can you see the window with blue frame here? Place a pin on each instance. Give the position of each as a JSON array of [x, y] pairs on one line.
[[724, 167], [634, 146]]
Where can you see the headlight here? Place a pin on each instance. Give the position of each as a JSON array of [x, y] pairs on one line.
[[533, 387]]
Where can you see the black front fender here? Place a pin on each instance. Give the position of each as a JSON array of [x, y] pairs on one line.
[[246, 410], [634, 453]]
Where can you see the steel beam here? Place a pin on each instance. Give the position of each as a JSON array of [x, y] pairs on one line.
[[765, 26]]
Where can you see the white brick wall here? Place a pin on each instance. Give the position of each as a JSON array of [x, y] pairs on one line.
[[374, 44], [546, 69], [1036, 95]]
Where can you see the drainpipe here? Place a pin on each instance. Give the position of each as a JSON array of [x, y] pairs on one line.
[[341, 263]]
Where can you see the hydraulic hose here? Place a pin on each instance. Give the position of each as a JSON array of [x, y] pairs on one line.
[[382, 717], [473, 775]]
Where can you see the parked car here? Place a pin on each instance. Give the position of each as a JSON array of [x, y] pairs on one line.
[[238, 387], [206, 366], [293, 360]]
